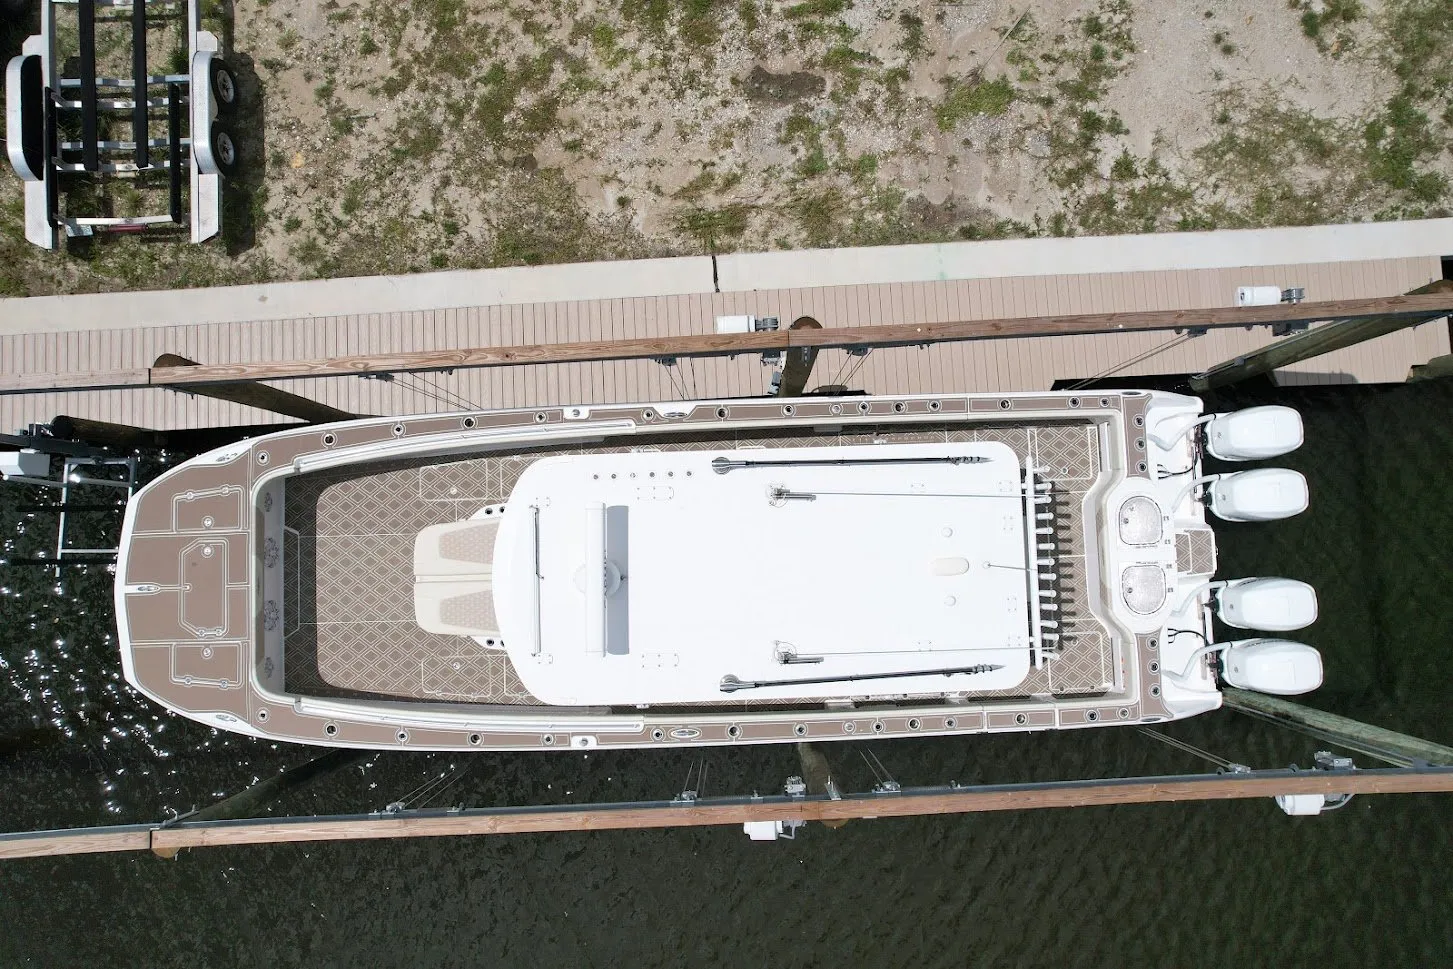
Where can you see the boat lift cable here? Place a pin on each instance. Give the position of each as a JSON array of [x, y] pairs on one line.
[[1170, 344], [856, 367], [691, 365], [425, 790], [458, 777], [441, 395], [696, 769], [678, 386], [469, 404], [1192, 749], [437, 393], [884, 781]]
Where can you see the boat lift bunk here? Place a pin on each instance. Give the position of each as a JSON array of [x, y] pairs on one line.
[[42, 107]]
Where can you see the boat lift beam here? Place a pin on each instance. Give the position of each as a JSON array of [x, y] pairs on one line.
[[167, 839], [1419, 307], [260, 395], [1341, 332], [1363, 738]]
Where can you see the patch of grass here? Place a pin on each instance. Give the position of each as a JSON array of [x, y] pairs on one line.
[[352, 200], [815, 9], [850, 65], [1124, 167], [913, 41], [966, 98], [1397, 141], [714, 228]]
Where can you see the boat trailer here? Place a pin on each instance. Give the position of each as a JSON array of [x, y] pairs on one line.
[[59, 127]]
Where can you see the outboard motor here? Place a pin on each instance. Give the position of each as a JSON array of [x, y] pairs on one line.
[[1263, 495], [1273, 604], [1254, 433], [1277, 666]]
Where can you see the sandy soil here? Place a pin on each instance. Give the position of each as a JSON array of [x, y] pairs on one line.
[[393, 137]]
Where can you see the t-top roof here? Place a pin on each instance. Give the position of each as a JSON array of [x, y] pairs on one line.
[[781, 573]]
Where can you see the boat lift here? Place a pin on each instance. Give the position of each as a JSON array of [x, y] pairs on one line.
[[44, 111]]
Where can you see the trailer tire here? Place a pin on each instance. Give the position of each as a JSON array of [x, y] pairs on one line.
[[224, 86], [226, 151]]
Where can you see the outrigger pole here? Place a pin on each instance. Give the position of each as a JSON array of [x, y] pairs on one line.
[[730, 684]]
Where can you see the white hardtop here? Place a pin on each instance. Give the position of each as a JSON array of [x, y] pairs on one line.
[[828, 564]]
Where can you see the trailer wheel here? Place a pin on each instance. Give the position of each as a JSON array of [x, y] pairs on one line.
[[224, 86], [225, 150]]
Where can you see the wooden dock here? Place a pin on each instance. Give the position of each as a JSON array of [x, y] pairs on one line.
[[89, 340], [166, 840]]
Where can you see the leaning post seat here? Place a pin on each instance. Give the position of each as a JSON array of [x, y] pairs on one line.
[[453, 587]]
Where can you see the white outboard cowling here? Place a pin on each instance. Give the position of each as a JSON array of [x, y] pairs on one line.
[[1273, 604], [1277, 666], [1263, 495], [1254, 433]]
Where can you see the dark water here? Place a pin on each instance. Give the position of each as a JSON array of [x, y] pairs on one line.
[[1173, 885]]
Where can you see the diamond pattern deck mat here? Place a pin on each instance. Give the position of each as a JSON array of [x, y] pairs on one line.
[[349, 555]]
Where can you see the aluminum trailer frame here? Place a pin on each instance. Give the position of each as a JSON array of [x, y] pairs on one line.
[[36, 95]]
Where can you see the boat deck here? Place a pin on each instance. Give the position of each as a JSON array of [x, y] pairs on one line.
[[348, 557]]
